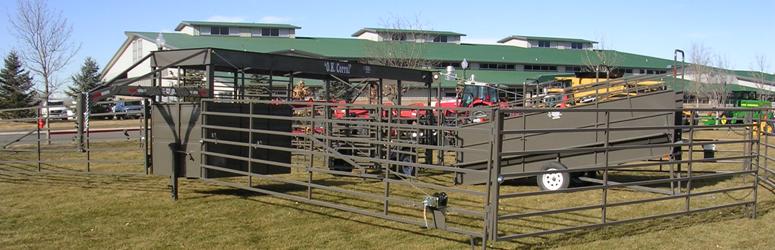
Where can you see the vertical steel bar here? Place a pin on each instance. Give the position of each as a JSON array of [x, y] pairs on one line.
[[689, 164], [86, 118], [235, 81], [493, 168], [328, 123], [146, 139], [38, 134], [250, 144], [202, 144], [604, 209], [762, 129], [311, 149], [290, 87], [386, 167]]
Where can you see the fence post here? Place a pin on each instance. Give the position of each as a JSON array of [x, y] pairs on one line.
[[79, 120], [762, 129], [146, 142], [86, 114], [495, 178], [38, 126], [174, 171]]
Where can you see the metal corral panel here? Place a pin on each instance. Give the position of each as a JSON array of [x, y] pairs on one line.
[[235, 155], [567, 140], [176, 123]]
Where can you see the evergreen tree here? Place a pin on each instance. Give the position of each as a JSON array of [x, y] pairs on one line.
[[87, 79], [15, 87]]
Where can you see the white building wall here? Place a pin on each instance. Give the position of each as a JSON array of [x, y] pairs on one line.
[[369, 36], [453, 39], [125, 60], [518, 43], [188, 30]]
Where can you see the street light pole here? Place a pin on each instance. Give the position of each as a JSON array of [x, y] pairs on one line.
[[464, 65]]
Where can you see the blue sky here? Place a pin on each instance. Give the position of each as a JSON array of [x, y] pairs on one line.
[[736, 30]]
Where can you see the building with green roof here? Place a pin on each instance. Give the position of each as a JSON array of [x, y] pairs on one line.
[[505, 63]]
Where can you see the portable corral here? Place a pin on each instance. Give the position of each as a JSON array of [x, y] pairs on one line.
[[397, 157]]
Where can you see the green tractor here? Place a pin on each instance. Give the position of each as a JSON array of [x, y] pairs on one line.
[[744, 99]]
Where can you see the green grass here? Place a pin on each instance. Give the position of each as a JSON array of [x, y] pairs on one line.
[[101, 211]]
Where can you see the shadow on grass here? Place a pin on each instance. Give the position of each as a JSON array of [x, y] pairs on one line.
[[643, 227], [81, 180]]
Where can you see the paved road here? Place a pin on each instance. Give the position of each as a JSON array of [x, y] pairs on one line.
[[67, 136]]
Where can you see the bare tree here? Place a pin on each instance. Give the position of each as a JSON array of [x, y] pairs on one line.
[[760, 77], [44, 36], [709, 75], [601, 59], [402, 44]]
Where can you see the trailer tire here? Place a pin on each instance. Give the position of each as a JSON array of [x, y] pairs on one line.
[[553, 181]]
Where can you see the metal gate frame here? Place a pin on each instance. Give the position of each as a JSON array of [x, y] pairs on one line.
[[492, 193]]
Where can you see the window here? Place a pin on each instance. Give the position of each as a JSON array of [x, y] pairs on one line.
[[628, 71], [572, 68], [440, 39], [496, 66], [270, 32], [576, 46], [543, 44], [137, 50], [453, 64], [398, 37], [540, 68], [219, 30]]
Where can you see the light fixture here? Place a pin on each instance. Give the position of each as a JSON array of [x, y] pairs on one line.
[[160, 42], [464, 64]]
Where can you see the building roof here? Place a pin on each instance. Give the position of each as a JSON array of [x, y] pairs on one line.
[[544, 38], [233, 24], [685, 85], [349, 48], [755, 75], [429, 32]]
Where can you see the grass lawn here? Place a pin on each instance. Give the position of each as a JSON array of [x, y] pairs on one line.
[[101, 211], [7, 126]]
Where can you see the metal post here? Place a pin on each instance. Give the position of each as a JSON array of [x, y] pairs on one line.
[[399, 95], [290, 87], [174, 173], [79, 120], [311, 155], [762, 129], [494, 171], [689, 164], [250, 145], [236, 85], [38, 133], [604, 210], [86, 115], [210, 80], [327, 123], [146, 138]]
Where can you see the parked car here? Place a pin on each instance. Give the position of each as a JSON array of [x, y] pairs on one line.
[[127, 109], [56, 110]]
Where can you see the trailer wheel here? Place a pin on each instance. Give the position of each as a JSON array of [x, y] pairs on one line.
[[553, 181]]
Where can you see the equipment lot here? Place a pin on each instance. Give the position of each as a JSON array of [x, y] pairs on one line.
[[54, 211]]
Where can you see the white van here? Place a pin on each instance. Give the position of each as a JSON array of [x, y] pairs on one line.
[[57, 109]]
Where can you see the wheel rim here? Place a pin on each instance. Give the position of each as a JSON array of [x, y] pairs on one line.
[[552, 181]]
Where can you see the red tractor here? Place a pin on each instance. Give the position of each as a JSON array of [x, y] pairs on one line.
[[474, 95]]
